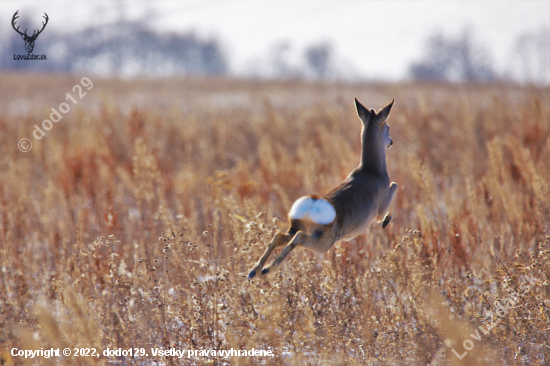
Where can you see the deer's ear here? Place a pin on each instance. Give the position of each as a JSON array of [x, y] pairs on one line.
[[384, 113], [363, 113]]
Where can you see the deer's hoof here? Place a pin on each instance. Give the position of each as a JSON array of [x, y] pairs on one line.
[[252, 274], [386, 221], [265, 271]]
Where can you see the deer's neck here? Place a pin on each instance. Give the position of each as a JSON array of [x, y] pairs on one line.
[[373, 152]]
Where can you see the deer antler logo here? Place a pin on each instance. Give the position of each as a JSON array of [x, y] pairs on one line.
[[29, 40]]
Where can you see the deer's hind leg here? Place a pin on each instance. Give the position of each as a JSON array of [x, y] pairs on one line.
[[301, 238], [278, 239]]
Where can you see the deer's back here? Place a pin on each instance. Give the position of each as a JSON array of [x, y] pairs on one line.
[[356, 201]]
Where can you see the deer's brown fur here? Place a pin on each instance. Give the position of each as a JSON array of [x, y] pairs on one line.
[[366, 194]]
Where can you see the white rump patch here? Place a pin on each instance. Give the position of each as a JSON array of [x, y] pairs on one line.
[[319, 210]]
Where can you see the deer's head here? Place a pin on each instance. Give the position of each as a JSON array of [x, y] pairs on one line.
[[29, 40], [376, 122]]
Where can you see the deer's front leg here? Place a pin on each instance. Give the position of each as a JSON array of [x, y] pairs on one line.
[[298, 239], [393, 192], [278, 239]]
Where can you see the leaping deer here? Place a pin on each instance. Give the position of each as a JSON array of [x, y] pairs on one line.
[[316, 223], [29, 40]]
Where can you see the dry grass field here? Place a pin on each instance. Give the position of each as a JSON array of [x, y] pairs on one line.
[[133, 223]]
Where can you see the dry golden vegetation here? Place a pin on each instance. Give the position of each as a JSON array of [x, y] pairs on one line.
[[134, 221]]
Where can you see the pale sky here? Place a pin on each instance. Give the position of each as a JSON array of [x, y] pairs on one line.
[[379, 38]]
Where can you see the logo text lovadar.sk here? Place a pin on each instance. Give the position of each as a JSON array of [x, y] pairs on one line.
[[29, 40]]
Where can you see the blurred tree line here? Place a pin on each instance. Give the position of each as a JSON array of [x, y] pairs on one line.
[[123, 48], [132, 48], [129, 48], [316, 61], [453, 59], [464, 59]]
